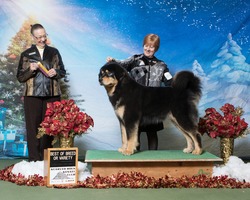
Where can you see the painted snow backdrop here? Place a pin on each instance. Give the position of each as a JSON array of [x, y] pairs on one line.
[[209, 37]]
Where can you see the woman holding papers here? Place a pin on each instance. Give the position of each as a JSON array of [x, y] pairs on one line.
[[40, 68]]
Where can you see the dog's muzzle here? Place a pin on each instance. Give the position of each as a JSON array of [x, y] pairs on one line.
[[100, 79]]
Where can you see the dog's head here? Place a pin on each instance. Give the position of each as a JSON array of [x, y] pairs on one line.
[[110, 75]]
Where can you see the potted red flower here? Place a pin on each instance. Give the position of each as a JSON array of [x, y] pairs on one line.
[[63, 119], [228, 126]]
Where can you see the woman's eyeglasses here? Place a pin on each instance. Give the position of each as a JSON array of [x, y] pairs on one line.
[[41, 37]]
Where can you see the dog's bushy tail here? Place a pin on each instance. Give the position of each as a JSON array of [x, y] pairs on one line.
[[186, 80]]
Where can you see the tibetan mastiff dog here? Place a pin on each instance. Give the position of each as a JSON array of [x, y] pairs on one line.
[[135, 105]]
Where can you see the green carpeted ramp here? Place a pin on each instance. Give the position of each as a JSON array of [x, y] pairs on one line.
[[158, 155]]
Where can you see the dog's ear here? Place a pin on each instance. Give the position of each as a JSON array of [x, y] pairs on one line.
[[124, 76]]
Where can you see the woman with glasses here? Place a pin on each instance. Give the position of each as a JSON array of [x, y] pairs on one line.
[[40, 68], [148, 70]]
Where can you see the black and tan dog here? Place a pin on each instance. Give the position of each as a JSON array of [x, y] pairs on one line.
[[135, 104]]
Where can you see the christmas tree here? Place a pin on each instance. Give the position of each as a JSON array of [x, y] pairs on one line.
[[229, 78]]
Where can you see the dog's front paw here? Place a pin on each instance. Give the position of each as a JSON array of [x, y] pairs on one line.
[[121, 149], [127, 152], [187, 150], [197, 151]]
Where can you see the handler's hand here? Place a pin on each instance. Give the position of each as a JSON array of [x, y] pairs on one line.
[[109, 59], [33, 66], [52, 72]]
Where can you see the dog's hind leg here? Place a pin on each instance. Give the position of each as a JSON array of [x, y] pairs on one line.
[[193, 142], [189, 140], [197, 143], [192, 137]]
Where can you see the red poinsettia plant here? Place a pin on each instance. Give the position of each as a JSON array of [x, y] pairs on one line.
[[228, 125], [64, 118]]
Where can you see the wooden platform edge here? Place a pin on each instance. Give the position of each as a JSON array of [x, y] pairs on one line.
[[154, 168]]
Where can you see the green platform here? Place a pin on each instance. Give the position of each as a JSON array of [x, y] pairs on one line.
[[143, 156]]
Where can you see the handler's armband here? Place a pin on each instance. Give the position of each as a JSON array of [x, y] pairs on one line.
[[168, 76]]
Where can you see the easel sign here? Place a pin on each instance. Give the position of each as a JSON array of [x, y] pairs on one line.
[[61, 166]]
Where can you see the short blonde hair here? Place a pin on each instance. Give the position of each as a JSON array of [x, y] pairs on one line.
[[152, 39]]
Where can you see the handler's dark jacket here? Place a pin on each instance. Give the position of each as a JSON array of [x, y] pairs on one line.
[[36, 83], [146, 71]]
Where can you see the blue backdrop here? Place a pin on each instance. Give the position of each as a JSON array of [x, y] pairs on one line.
[[209, 37]]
